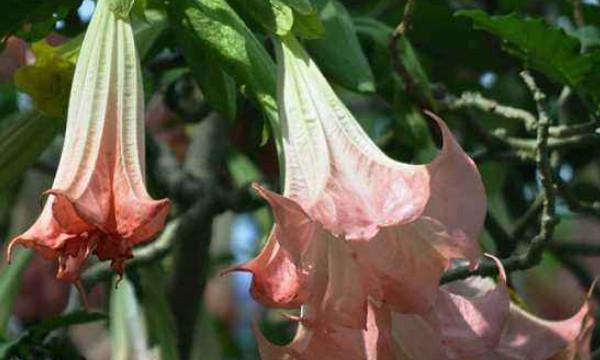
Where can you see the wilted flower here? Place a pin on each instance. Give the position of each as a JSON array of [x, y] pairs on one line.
[[98, 203]]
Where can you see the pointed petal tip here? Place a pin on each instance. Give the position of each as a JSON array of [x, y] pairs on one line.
[[501, 270], [590, 292], [235, 268], [10, 249]]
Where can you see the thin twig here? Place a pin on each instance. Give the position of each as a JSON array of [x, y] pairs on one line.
[[566, 134], [530, 215], [410, 83], [476, 100], [549, 220]]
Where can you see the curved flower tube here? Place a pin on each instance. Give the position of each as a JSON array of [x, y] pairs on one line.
[[353, 224], [98, 203], [475, 320]]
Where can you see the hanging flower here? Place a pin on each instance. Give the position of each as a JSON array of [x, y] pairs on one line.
[[474, 319], [317, 341], [98, 203], [471, 319], [353, 224]]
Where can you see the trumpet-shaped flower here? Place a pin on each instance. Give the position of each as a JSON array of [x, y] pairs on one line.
[[475, 320], [98, 203], [470, 320], [316, 341], [353, 224]]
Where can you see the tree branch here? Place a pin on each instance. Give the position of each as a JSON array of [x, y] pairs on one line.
[[549, 220]]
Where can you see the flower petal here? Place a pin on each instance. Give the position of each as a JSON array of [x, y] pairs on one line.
[[317, 342], [277, 280], [457, 326], [532, 338], [336, 173], [402, 268]]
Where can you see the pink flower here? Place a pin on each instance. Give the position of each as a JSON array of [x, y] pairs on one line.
[[316, 341], [475, 320], [98, 203], [353, 224], [471, 320]]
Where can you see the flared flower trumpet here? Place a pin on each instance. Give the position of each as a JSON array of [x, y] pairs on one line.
[[98, 203], [475, 319], [353, 224], [472, 319]]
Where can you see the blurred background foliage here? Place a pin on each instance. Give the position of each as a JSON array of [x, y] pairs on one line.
[[210, 80]]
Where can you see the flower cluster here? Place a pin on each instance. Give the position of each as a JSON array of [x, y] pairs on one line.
[[360, 242]]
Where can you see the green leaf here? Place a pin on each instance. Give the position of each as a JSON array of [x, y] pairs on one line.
[[339, 54], [23, 137], [159, 319], [214, 28], [379, 34], [308, 26], [48, 81], [37, 333], [302, 7], [542, 47], [217, 86], [273, 15], [589, 36], [14, 14], [127, 335], [148, 31], [10, 277]]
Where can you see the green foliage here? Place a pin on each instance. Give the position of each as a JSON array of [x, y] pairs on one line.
[[543, 47], [32, 19], [128, 338], [10, 277], [23, 137], [338, 53], [308, 26], [48, 81], [303, 7], [22, 347], [273, 15], [378, 35], [214, 29], [159, 318], [548, 49]]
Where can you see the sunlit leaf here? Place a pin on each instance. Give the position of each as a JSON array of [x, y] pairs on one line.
[[10, 277], [541, 46], [23, 137], [338, 53], [273, 15], [161, 324], [127, 334], [216, 29]]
